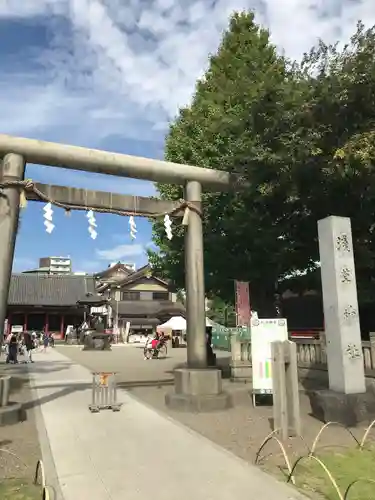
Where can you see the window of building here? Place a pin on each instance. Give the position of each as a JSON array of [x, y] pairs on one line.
[[130, 296], [160, 295]]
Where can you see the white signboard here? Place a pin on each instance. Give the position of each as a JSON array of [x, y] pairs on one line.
[[17, 329], [263, 332], [125, 335]]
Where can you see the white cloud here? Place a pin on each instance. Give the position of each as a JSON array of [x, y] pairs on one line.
[[88, 266], [126, 67], [121, 252]]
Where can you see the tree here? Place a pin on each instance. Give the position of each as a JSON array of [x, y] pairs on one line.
[[338, 179], [221, 312], [302, 135], [239, 120]]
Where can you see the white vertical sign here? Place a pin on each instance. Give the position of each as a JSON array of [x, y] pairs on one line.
[[263, 332], [125, 335]]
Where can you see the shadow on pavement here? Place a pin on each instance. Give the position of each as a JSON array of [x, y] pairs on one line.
[[133, 384], [70, 387], [20, 376], [5, 442], [51, 397]]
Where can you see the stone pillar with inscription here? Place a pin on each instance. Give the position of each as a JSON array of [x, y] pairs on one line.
[[346, 400], [343, 334]]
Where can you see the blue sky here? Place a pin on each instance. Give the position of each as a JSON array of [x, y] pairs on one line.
[[111, 74]]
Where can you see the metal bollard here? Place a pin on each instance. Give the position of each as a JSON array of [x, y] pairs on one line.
[[104, 392], [4, 391]]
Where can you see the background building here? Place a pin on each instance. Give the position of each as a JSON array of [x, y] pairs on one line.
[[51, 300], [139, 298], [48, 302], [56, 265], [61, 266], [126, 265]]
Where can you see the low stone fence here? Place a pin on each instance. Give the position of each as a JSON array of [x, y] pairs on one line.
[[311, 354]]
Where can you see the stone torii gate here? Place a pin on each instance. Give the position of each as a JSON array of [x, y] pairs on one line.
[[197, 387]]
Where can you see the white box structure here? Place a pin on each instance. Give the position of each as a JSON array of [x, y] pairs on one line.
[[263, 333]]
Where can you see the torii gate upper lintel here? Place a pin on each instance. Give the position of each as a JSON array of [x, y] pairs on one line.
[[16, 152]]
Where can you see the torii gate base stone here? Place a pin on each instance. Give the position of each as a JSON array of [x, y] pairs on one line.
[[349, 400]]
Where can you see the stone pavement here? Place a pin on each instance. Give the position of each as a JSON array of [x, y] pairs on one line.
[[136, 453]]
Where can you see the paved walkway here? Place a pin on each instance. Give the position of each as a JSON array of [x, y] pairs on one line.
[[137, 453]]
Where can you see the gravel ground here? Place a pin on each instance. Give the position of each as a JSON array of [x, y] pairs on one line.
[[241, 429], [19, 440]]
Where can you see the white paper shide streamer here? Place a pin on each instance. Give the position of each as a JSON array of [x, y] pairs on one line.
[[133, 228], [92, 224], [168, 227], [48, 213]]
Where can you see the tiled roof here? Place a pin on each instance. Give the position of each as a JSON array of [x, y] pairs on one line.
[[145, 271], [37, 270], [46, 290], [144, 321], [112, 269], [147, 307], [92, 299]]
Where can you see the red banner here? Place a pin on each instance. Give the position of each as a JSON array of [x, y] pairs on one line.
[[243, 311]]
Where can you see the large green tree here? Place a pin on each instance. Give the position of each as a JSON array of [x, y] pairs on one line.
[[338, 179], [239, 120], [301, 135]]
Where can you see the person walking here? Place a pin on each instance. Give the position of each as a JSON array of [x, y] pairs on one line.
[[28, 342], [45, 341], [51, 340], [12, 350]]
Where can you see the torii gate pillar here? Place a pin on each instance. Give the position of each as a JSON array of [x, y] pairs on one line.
[[197, 387], [12, 169], [194, 281]]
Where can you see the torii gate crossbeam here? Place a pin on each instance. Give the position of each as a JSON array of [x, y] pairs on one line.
[[120, 165]]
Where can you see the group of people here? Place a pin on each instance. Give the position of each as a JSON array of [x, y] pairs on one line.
[[25, 343]]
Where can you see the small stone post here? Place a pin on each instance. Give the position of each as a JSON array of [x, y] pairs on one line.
[[372, 349], [286, 406], [323, 348], [235, 348], [4, 391]]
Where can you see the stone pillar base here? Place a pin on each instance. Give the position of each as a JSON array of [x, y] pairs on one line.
[[198, 390], [72, 341], [12, 414], [349, 410], [241, 371], [97, 343]]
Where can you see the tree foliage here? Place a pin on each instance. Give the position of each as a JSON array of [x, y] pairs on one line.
[[221, 312], [302, 135]]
